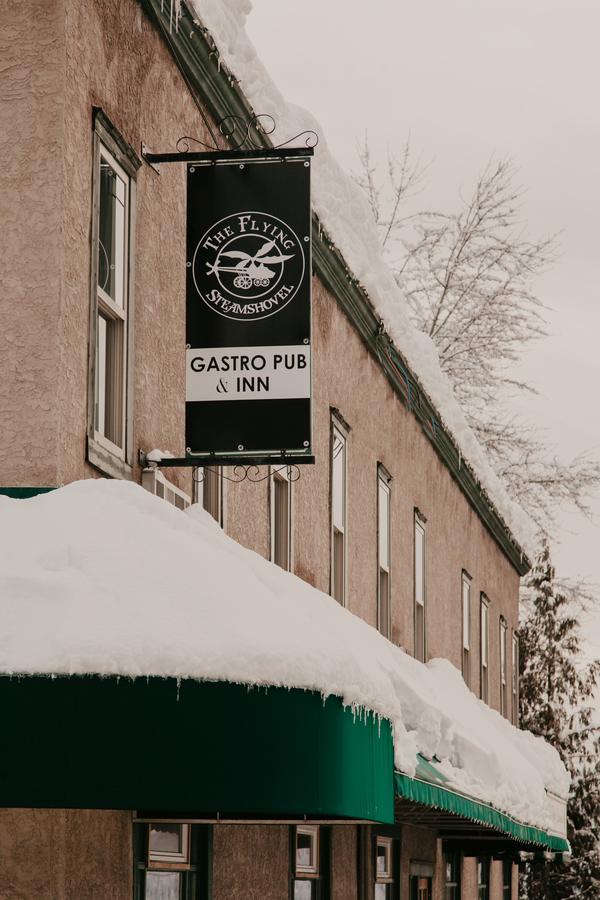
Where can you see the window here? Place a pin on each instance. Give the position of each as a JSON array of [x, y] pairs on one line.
[[384, 868], [483, 878], [506, 879], [338, 511], [208, 490], [309, 877], [281, 518], [503, 684], [172, 861], [515, 679], [466, 627], [484, 647], [452, 866], [420, 588], [115, 164], [383, 553], [420, 880]]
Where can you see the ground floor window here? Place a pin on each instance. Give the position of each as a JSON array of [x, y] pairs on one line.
[[452, 867], [506, 879], [386, 868], [483, 878], [172, 861], [421, 880], [310, 875]]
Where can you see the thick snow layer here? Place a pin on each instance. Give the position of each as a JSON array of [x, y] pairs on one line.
[[345, 215], [103, 577]]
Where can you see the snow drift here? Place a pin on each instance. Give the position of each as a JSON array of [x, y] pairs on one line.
[[102, 577]]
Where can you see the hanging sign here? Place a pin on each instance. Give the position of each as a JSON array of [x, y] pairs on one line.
[[248, 328]]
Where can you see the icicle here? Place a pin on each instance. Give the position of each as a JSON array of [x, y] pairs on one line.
[[178, 687]]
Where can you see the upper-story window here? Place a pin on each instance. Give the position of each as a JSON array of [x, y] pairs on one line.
[[484, 647], [339, 447], [281, 518], [483, 878], [420, 587], [208, 490], [515, 679], [466, 626], [109, 444], [503, 679], [383, 552]]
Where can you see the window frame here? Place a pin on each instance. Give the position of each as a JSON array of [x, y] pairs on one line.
[[465, 582], [338, 429], [195, 875], [317, 875], [420, 522], [102, 453], [502, 659], [166, 860], [281, 474], [484, 644], [515, 677], [453, 857], [384, 482], [199, 495], [507, 886], [483, 865]]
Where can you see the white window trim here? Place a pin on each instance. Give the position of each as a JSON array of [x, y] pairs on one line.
[[386, 877], [484, 641], [419, 525], [465, 622], [116, 311], [158, 859], [117, 462], [384, 480], [312, 870], [338, 428], [283, 474]]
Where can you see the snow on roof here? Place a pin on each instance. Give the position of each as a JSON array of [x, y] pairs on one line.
[[344, 213], [102, 577]]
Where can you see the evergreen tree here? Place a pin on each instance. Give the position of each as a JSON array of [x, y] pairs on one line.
[[557, 693]]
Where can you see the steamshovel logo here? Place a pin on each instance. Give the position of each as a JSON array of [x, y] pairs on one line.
[[248, 266]]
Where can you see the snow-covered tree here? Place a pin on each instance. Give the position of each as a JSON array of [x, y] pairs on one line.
[[557, 696], [468, 278]]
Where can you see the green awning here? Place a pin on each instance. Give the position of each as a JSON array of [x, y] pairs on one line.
[[429, 789], [202, 749]]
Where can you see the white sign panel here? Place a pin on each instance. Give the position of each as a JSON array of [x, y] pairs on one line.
[[248, 373]]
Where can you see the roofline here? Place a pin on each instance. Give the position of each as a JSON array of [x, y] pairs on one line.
[[218, 90]]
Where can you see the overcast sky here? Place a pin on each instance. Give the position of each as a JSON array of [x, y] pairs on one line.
[[469, 79]]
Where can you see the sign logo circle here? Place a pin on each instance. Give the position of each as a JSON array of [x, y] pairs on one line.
[[248, 266]]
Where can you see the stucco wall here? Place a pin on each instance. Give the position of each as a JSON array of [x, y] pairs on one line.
[[251, 862], [65, 855], [32, 105]]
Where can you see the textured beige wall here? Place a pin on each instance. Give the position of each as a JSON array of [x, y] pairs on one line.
[[65, 855], [32, 107], [251, 862]]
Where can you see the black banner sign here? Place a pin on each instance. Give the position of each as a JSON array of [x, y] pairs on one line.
[[248, 333]]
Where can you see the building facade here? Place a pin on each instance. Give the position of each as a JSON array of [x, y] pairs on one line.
[[388, 520]]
